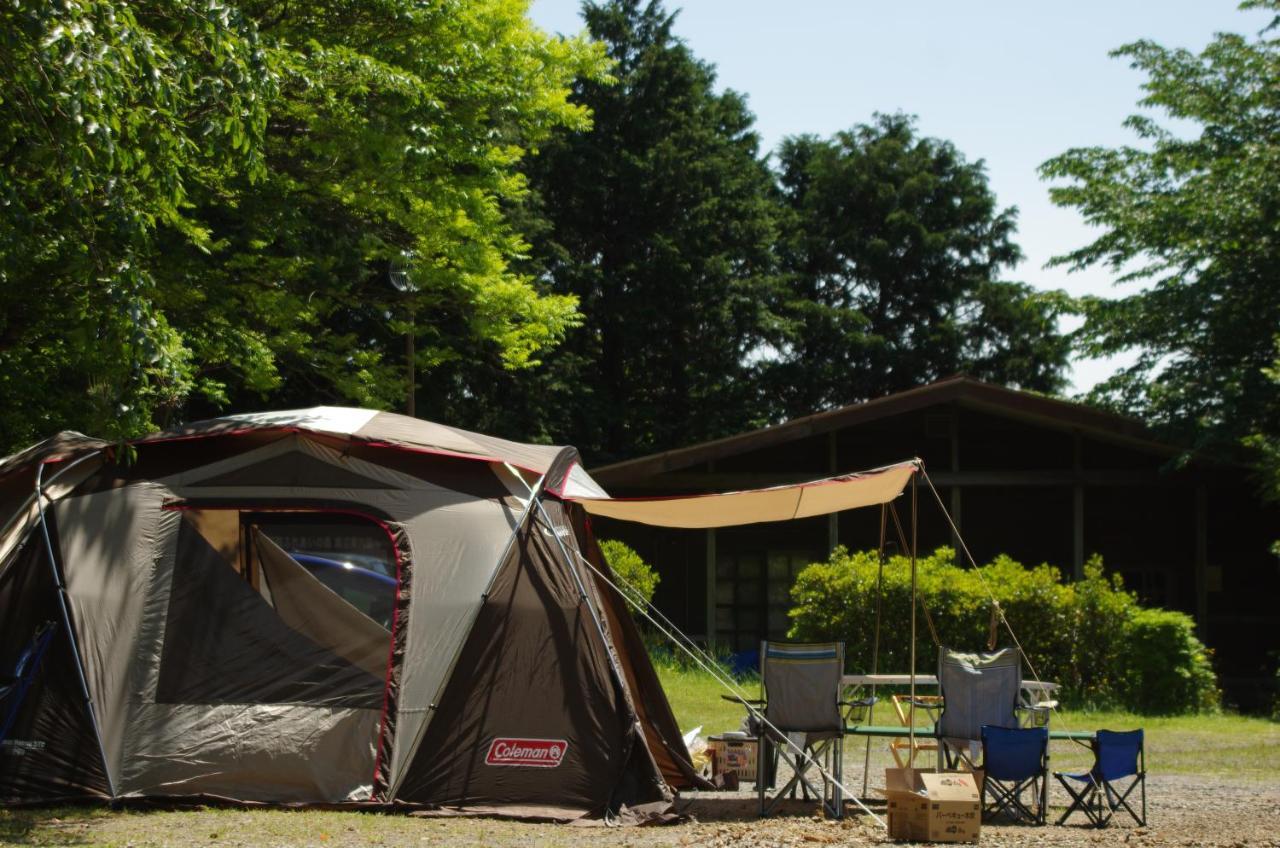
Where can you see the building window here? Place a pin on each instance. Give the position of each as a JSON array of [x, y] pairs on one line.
[[753, 596]]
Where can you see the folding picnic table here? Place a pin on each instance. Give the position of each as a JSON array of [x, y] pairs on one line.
[[1033, 692]]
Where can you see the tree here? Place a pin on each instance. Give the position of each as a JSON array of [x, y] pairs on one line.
[[1193, 215], [111, 115], [659, 221], [892, 250], [218, 194], [395, 142]]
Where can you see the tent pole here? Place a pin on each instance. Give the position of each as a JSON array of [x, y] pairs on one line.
[[534, 491], [582, 595], [31, 498], [875, 650], [605, 642], [582, 588], [66, 620]]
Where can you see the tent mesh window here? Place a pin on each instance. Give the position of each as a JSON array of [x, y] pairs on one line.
[[249, 623], [350, 556]]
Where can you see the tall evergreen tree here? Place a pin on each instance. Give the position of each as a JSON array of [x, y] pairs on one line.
[[892, 251], [659, 219]]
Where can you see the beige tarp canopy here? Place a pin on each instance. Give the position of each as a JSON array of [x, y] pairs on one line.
[[777, 503]]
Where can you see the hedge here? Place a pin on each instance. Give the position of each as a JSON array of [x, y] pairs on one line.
[[636, 578], [1091, 636]]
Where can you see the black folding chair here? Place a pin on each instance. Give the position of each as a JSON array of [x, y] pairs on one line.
[[1116, 756], [1015, 760]]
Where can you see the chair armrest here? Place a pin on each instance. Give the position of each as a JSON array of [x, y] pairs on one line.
[[864, 702], [757, 702], [924, 705], [1042, 707]]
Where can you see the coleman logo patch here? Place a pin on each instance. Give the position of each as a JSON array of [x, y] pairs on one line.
[[535, 753]]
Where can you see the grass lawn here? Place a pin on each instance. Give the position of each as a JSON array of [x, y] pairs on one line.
[[1211, 745]]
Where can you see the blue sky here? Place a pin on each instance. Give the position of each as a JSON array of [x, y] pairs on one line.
[[1011, 82]]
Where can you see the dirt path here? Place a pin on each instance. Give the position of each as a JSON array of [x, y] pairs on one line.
[[1183, 811]]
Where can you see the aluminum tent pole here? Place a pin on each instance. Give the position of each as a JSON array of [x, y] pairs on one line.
[[66, 621], [534, 491]]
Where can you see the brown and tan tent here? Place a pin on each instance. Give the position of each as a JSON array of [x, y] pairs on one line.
[[326, 606]]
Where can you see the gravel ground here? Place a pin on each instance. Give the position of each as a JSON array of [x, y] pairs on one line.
[[1182, 811]]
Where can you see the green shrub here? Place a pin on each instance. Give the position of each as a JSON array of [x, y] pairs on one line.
[[1165, 664], [636, 578], [1091, 636]]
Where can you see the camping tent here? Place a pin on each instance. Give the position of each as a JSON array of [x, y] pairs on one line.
[[321, 606]]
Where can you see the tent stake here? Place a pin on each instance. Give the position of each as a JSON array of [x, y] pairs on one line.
[[66, 621]]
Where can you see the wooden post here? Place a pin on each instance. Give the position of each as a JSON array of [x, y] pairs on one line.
[[711, 586], [833, 518], [1202, 561], [1077, 510], [955, 489]]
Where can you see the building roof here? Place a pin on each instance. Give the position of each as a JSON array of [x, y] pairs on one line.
[[1052, 413]]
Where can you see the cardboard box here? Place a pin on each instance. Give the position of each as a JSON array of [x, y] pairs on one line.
[[927, 806], [737, 755]]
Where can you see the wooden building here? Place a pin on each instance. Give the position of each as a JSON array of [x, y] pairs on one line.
[[1039, 479]]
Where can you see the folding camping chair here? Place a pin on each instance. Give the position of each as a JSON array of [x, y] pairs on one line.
[[802, 702], [1015, 759], [14, 686], [977, 689], [1116, 755]]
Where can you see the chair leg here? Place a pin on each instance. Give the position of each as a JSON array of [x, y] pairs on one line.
[[1080, 800], [762, 768], [837, 772]]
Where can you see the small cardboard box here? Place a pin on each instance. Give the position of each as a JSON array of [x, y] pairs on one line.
[[932, 806], [738, 755]]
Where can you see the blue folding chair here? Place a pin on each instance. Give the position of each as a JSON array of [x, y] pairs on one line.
[[14, 686], [1014, 760], [1116, 756]]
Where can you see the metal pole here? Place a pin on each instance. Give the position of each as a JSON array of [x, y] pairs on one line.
[[582, 593], [875, 650], [484, 596], [30, 499], [912, 710], [71, 633]]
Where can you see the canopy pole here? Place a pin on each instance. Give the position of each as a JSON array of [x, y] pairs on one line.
[[875, 649], [61, 590], [912, 709], [978, 571]]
